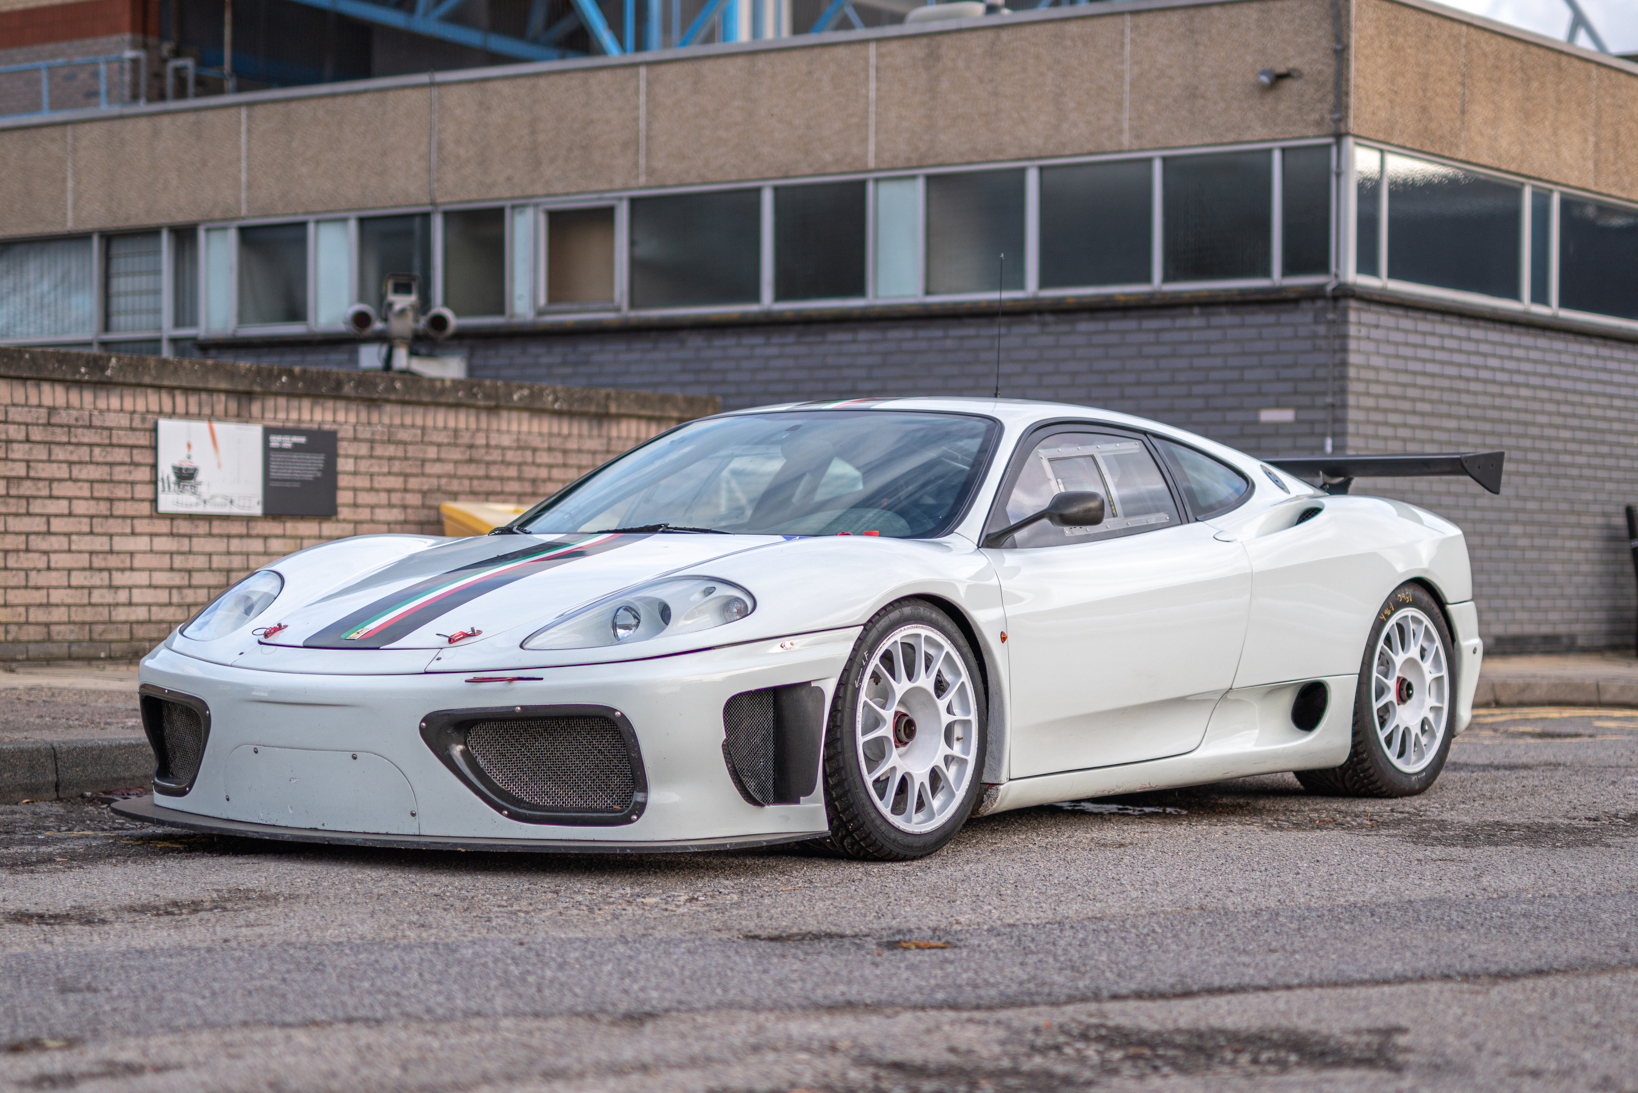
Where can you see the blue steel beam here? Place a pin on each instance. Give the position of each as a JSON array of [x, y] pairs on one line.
[[383, 16], [701, 21], [832, 11], [598, 27]]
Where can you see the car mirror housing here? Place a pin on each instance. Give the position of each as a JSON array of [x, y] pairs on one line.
[[1070, 509]]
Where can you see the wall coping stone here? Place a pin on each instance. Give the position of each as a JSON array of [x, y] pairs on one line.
[[71, 366]]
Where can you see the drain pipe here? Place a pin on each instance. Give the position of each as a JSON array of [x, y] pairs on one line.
[[1338, 173]]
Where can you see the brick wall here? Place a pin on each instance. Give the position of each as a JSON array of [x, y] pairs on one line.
[[91, 570]]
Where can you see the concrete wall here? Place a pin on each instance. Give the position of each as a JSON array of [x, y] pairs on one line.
[[1150, 74], [1430, 78], [90, 570]]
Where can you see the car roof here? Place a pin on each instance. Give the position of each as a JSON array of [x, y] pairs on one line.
[[1014, 413]]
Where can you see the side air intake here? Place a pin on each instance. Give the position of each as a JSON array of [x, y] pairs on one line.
[[544, 764], [177, 726], [771, 741]]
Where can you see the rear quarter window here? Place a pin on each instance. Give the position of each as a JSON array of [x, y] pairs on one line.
[[1211, 486]]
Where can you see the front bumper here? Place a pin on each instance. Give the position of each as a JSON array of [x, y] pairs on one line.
[[341, 758]]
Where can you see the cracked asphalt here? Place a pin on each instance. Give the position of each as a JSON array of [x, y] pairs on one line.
[[1242, 935]]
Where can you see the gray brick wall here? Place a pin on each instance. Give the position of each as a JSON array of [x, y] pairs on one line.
[[1550, 557]]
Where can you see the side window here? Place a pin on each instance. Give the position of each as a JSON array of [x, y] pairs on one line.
[[1209, 486], [1134, 493]]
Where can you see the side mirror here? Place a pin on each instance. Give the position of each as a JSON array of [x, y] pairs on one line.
[[1076, 509], [1071, 509]]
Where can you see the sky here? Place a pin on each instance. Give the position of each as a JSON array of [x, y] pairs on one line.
[[1616, 20]]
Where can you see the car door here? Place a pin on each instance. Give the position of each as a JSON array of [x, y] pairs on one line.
[[1122, 636]]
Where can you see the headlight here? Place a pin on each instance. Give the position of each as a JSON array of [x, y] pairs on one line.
[[235, 607], [675, 605]]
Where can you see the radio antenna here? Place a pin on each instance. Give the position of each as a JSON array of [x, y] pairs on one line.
[[1000, 270]]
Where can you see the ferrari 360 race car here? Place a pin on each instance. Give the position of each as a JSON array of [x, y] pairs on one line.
[[854, 624]]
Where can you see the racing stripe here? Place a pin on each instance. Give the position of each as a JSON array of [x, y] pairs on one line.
[[403, 612]]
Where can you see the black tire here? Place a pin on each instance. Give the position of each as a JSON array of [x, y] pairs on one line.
[[1369, 770], [858, 829]]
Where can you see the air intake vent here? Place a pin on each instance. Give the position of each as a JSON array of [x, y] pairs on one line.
[[544, 764], [556, 762], [177, 726], [771, 741]]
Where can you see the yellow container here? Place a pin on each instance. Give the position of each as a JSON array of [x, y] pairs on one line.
[[476, 517]]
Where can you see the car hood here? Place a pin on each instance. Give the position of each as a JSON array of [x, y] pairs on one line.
[[482, 587]]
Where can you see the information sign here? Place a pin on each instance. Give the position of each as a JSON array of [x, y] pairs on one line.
[[229, 468]]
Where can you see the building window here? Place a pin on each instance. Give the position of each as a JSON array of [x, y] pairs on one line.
[[184, 277], [273, 274], [1305, 211], [46, 288], [1597, 245], [1367, 212], [218, 287], [898, 238], [1541, 244], [819, 241], [333, 272], [580, 256], [1451, 229], [133, 283], [1218, 216], [394, 245], [1096, 224], [475, 261], [973, 219], [694, 250]]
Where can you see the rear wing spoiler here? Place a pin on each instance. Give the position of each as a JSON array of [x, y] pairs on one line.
[[1337, 472]]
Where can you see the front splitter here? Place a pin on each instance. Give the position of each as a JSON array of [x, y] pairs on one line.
[[150, 811]]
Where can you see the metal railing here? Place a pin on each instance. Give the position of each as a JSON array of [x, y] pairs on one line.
[[45, 68]]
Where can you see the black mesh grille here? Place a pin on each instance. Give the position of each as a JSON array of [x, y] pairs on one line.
[[750, 720], [182, 742], [578, 763]]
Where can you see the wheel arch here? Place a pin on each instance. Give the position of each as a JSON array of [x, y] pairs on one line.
[[995, 734]]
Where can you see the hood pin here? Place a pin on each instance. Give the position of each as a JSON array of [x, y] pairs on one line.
[[460, 635]]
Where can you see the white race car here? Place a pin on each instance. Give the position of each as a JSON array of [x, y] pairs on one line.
[[855, 624]]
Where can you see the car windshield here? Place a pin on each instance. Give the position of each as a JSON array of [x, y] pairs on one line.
[[817, 472]]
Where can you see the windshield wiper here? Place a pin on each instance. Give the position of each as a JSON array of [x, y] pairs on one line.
[[649, 528]]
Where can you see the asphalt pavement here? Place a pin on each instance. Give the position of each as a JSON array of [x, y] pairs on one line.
[[1242, 935]]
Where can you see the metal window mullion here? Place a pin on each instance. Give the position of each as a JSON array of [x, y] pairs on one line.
[[1553, 250], [1156, 224], [622, 255], [766, 292], [1276, 197], [1032, 229], [435, 291]]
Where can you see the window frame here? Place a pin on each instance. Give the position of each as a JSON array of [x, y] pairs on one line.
[[1025, 448]]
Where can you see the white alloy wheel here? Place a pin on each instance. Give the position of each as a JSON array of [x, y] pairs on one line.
[[917, 729], [1410, 690]]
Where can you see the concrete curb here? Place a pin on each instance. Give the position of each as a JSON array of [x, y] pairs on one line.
[[44, 770], [1555, 691]]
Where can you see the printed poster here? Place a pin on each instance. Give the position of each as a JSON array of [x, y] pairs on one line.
[[209, 468]]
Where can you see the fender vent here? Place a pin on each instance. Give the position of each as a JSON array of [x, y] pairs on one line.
[[556, 762], [177, 727], [544, 764], [771, 741]]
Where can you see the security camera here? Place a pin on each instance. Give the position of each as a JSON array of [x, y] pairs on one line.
[[400, 290], [361, 319], [439, 323]]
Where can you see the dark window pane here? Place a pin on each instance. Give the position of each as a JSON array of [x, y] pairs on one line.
[[1368, 212], [819, 241], [1305, 220], [1452, 229], [1219, 219], [696, 249], [1096, 224], [273, 274], [1541, 225], [1210, 486], [1597, 258], [184, 277], [972, 220], [580, 256], [475, 261], [133, 285], [394, 244]]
